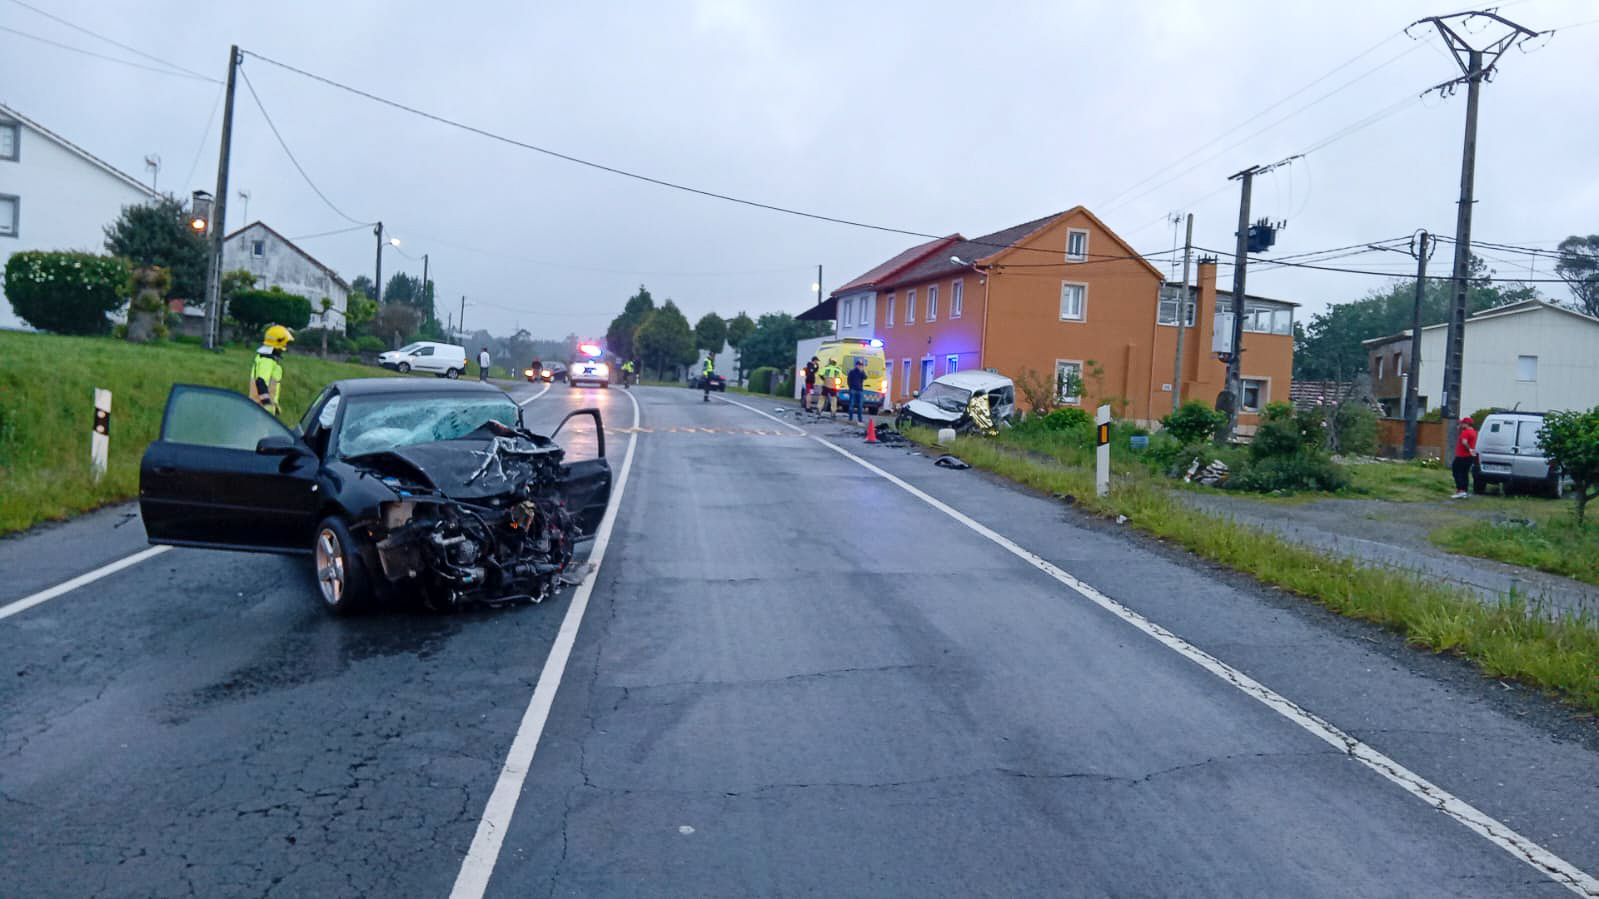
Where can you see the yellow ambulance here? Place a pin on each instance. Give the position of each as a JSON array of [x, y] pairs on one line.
[[845, 351]]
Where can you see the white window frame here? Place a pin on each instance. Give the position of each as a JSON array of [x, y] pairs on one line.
[[1265, 395], [866, 311], [1171, 322], [1082, 305], [932, 302], [13, 227], [957, 297], [952, 363], [1078, 364], [1080, 256], [1273, 311], [16, 141], [1378, 375], [888, 320], [905, 372], [1521, 371], [910, 306], [258, 249], [848, 316]]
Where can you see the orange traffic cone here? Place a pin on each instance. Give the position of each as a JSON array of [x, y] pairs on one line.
[[871, 430]]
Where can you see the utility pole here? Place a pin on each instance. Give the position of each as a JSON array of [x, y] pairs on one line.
[[426, 297], [1421, 247], [213, 275], [460, 323], [1183, 301], [377, 286], [1234, 388], [1476, 66]]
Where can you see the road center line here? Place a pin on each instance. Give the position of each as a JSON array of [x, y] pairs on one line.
[[478, 866], [28, 602], [1491, 829]]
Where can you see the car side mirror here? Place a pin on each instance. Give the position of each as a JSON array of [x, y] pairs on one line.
[[276, 445]]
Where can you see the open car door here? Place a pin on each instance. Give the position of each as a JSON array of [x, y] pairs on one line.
[[226, 474], [586, 483]]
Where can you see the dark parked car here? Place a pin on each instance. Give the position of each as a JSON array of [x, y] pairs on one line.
[[697, 381], [390, 485]]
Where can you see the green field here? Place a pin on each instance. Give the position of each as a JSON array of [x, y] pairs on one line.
[[47, 409]]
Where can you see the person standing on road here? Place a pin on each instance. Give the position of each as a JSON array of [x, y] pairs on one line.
[[627, 374], [857, 391], [266, 372], [705, 375], [832, 376], [483, 364], [1465, 458], [808, 398]]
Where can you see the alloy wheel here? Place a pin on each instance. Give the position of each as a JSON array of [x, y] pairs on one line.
[[330, 566]]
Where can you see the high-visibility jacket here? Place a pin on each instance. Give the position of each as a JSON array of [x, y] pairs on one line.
[[832, 377], [710, 368], [266, 379], [627, 367]]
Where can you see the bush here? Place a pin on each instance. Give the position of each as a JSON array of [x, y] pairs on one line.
[[1355, 426], [1281, 433], [311, 339], [67, 293], [1481, 414], [1041, 396], [761, 379], [1303, 470], [785, 387], [370, 343], [1193, 422], [1067, 418], [256, 309]]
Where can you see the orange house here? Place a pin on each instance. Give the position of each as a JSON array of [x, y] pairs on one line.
[[1065, 294]]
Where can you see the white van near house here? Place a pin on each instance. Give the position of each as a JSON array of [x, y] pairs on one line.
[[442, 359], [1508, 454]]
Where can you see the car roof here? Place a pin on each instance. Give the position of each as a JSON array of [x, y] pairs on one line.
[[400, 386], [973, 380]]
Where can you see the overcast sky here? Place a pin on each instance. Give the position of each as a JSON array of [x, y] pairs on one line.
[[929, 116]]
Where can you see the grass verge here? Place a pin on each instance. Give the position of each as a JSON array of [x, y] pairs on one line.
[[1560, 656], [1553, 543], [47, 387]]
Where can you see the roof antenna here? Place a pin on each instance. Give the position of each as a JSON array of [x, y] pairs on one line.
[[153, 163]]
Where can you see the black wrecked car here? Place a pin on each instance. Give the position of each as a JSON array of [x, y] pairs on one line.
[[390, 485]]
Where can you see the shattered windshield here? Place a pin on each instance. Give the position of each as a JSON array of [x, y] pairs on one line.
[[946, 396], [377, 423]]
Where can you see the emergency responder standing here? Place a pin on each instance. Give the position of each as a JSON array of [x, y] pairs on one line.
[[857, 391], [705, 375], [483, 364], [808, 398], [266, 372], [627, 374], [832, 377]]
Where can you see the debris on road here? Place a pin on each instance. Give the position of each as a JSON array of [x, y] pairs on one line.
[[1213, 475], [948, 461]]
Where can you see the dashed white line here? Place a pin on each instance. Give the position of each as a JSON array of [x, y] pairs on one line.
[[28, 602], [478, 866]]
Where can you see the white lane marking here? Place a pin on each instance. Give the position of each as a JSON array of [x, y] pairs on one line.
[[796, 429], [28, 602], [1494, 831], [544, 390], [478, 866]]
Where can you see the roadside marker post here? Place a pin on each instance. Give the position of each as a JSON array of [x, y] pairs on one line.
[[1102, 451], [100, 438]]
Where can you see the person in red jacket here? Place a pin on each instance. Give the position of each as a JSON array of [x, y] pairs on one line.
[[1465, 457]]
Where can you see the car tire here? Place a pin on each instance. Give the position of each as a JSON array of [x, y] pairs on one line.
[[403, 368], [452, 373], [339, 569]]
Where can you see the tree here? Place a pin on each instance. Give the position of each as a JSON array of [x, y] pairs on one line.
[[402, 288], [710, 333], [325, 305], [68, 293], [1330, 348], [664, 340], [363, 285], [619, 336], [397, 321], [158, 233], [739, 328], [772, 341], [1579, 268], [358, 310], [254, 310], [1571, 441]]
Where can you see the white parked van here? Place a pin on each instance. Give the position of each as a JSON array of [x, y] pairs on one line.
[[1508, 454], [442, 359]]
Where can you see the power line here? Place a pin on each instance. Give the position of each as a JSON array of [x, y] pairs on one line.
[[204, 135], [361, 227], [126, 62], [290, 153], [115, 43], [1355, 271]]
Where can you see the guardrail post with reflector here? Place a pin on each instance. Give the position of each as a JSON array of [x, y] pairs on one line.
[[100, 438], [1102, 451]]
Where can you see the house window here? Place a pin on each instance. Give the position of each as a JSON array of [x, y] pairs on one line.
[[1076, 245], [9, 211], [1261, 318], [848, 317], [1068, 380], [1378, 374], [1170, 297], [904, 377], [1072, 297], [932, 302], [1526, 368], [258, 248], [957, 299], [1255, 395], [10, 138], [888, 317], [866, 311], [952, 363], [1397, 364], [910, 306]]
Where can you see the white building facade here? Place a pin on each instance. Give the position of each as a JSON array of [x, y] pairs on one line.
[[1532, 356], [54, 195], [278, 262], [857, 314]]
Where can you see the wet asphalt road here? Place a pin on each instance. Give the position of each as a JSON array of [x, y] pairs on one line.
[[794, 678]]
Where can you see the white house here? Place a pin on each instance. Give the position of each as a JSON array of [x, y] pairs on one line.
[[277, 262], [1531, 355], [55, 195]]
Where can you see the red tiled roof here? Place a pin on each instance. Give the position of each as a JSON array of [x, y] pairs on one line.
[[892, 267]]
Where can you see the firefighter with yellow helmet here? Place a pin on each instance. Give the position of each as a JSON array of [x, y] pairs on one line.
[[266, 372]]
